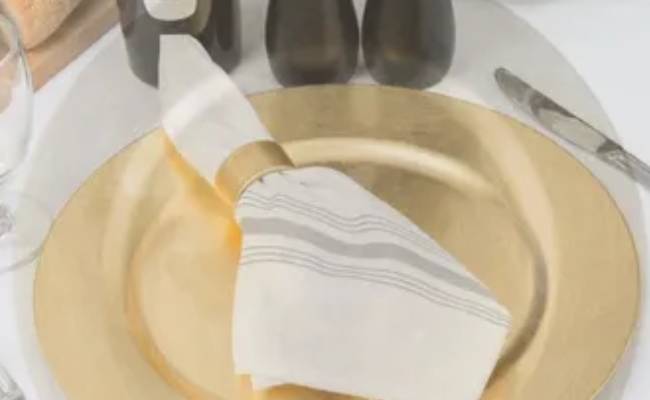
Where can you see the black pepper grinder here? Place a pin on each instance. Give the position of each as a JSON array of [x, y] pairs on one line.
[[409, 42], [312, 41], [216, 24]]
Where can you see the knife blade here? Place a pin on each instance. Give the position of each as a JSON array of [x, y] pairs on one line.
[[566, 125]]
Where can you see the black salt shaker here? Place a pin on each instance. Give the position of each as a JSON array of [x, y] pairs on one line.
[[216, 24], [409, 42], [312, 41]]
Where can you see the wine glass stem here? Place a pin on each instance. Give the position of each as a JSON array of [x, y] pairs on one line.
[[6, 220]]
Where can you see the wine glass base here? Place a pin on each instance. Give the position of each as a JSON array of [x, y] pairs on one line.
[[24, 225], [8, 388]]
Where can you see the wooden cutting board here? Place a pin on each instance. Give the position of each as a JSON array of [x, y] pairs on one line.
[[80, 30]]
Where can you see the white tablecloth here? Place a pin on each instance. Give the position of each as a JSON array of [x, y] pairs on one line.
[[606, 41]]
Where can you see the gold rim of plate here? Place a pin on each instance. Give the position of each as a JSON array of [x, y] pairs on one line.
[[133, 294]]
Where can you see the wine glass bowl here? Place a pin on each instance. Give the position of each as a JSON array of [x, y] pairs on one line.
[[24, 222]]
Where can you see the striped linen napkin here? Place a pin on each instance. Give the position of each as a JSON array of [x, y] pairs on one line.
[[336, 290]]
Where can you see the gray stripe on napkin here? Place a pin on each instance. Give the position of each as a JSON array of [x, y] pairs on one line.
[[281, 227], [258, 254], [289, 203], [324, 270], [361, 225]]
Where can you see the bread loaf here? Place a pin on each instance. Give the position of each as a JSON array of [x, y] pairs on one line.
[[38, 19]]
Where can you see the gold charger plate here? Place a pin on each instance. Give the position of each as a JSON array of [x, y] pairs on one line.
[[134, 288]]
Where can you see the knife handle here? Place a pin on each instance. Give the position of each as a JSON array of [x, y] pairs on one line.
[[629, 164]]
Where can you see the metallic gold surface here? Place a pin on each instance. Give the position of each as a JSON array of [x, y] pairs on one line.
[[133, 294], [247, 164]]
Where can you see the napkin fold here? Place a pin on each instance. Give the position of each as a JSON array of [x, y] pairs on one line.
[[336, 290]]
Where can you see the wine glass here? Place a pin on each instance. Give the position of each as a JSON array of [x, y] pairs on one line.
[[24, 222], [8, 388]]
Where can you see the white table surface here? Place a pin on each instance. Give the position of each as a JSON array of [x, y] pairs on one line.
[[608, 43]]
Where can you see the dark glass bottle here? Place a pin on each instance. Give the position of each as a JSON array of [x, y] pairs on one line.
[[312, 41], [409, 42], [215, 23]]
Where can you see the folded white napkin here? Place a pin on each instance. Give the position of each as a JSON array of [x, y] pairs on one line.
[[336, 290]]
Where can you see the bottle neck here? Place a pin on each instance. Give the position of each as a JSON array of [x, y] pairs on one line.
[[170, 10]]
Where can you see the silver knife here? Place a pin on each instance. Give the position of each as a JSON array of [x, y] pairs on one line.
[[568, 126]]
